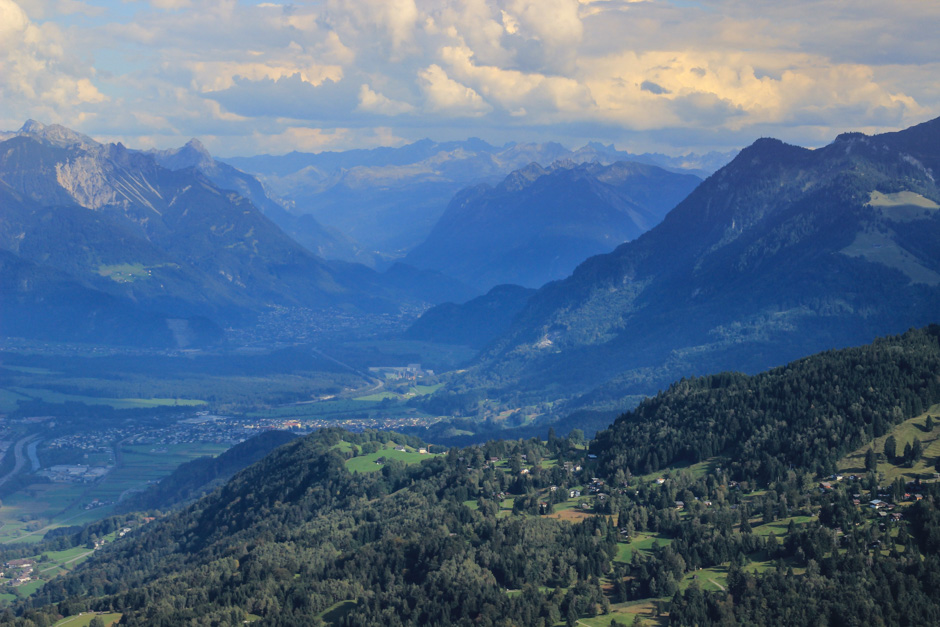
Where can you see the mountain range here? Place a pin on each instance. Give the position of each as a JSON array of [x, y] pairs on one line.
[[102, 243], [304, 228], [783, 252], [539, 223], [389, 199]]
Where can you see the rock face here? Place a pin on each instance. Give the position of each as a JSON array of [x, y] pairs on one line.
[[303, 228], [539, 223], [122, 233], [783, 252]]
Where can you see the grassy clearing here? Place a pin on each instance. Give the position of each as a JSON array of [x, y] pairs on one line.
[[410, 392], [879, 247], [904, 433], [779, 527], [696, 470], [711, 579], [641, 541], [82, 620], [51, 396], [124, 272], [369, 463], [379, 396], [337, 611], [625, 614]]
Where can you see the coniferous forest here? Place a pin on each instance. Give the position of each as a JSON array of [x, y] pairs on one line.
[[728, 472]]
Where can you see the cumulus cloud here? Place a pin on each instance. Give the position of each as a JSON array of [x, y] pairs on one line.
[[447, 96], [37, 74], [692, 75], [374, 102]]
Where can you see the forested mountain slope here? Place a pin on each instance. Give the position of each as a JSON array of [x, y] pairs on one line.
[[782, 253], [805, 415], [317, 530], [474, 323]]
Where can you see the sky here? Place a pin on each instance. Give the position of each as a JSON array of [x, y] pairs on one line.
[[646, 75]]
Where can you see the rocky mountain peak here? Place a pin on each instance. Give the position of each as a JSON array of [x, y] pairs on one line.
[[57, 135], [192, 155]]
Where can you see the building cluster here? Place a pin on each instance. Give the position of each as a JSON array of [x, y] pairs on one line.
[[411, 372], [74, 473], [18, 572]]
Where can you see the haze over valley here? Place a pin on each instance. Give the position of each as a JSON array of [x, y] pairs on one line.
[[495, 313]]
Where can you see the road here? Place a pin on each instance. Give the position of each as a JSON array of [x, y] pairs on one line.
[[77, 557], [58, 523]]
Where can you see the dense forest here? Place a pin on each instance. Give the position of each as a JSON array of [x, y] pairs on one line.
[[471, 536], [804, 415]]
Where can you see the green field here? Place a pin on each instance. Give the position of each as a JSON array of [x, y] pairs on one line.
[[410, 392], [368, 463], [697, 470], [29, 370], [82, 620], [124, 272], [9, 400], [641, 541], [779, 527], [28, 513], [51, 396], [904, 433]]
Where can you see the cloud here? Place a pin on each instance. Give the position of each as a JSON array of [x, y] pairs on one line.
[[446, 96], [617, 70], [653, 88], [290, 97], [36, 73], [377, 103]]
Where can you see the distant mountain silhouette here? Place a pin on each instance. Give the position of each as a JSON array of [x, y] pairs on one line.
[[539, 223], [389, 199]]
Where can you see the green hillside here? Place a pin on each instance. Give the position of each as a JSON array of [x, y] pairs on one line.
[[547, 532]]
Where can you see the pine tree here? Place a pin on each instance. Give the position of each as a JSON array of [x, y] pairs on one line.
[[871, 462], [891, 448]]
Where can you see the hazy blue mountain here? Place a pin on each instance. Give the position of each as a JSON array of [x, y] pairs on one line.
[[474, 323], [304, 228], [783, 252], [389, 199], [539, 223], [103, 219]]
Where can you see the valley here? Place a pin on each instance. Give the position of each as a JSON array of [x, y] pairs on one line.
[[632, 435], [607, 531]]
